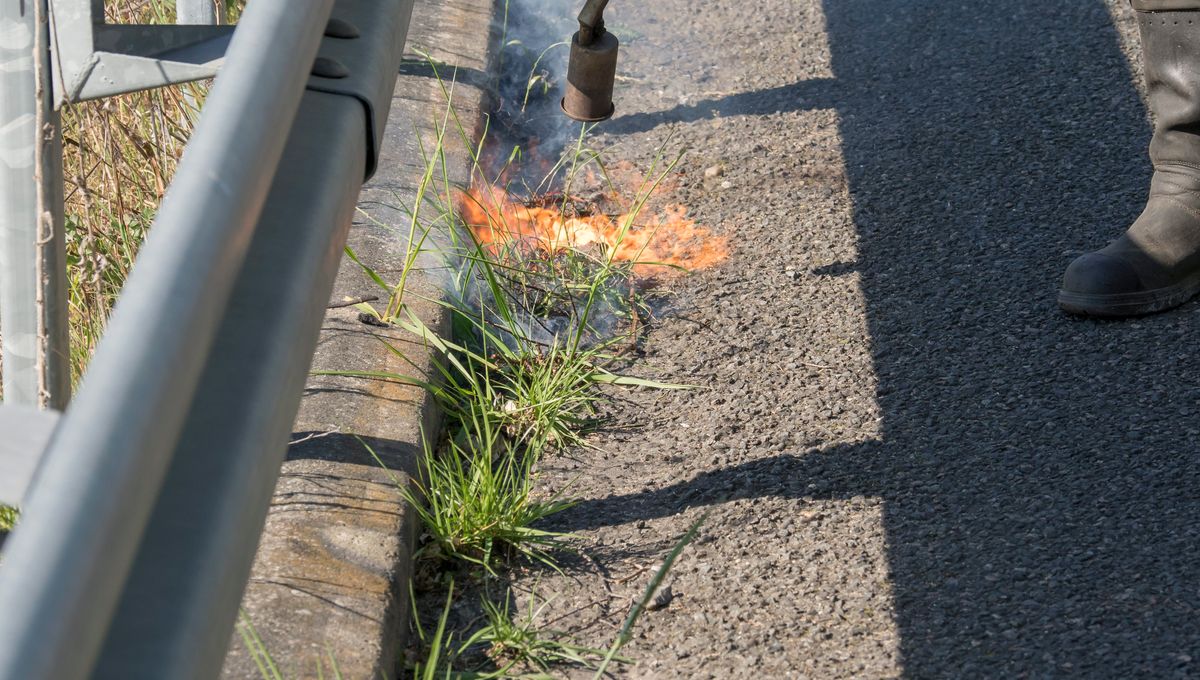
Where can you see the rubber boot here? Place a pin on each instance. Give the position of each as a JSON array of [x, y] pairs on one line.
[[1155, 264]]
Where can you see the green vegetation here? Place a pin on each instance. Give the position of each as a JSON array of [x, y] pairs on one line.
[[626, 633], [8, 518], [440, 657], [517, 642], [513, 646], [512, 392], [520, 378]]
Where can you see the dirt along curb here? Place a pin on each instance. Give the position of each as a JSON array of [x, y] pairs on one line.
[[330, 580]]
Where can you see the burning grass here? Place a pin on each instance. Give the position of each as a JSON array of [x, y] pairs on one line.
[[549, 225], [546, 287], [543, 293], [589, 259]]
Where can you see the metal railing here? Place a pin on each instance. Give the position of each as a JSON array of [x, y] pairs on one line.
[[139, 528]]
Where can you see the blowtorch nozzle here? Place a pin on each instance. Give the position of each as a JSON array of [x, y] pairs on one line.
[[592, 69]]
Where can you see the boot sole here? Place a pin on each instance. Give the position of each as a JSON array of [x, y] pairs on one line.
[[1129, 304]]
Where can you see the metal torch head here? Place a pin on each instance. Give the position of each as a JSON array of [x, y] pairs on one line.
[[591, 73]]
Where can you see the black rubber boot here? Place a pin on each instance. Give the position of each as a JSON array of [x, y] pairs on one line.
[[1155, 265]]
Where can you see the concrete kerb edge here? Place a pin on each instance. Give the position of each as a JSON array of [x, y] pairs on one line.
[[330, 582]]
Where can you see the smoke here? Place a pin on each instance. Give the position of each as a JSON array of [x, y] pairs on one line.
[[548, 303], [535, 45]]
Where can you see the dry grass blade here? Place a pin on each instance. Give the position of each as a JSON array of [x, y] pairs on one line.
[[119, 155]]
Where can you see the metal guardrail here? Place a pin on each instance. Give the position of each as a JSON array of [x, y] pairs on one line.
[[139, 529]]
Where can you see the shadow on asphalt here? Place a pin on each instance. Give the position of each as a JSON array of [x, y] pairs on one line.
[[819, 93], [1039, 473]]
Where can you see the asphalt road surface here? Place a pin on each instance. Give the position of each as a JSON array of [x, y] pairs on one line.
[[915, 464]]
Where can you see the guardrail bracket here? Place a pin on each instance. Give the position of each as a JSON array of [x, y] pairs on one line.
[[93, 59]]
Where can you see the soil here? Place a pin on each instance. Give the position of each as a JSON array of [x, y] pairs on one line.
[[912, 463]]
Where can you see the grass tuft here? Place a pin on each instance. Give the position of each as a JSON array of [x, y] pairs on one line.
[[519, 378], [8, 518], [512, 389], [517, 642]]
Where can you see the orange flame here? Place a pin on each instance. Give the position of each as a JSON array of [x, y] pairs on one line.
[[656, 245]]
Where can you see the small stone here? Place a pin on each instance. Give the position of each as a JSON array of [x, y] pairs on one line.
[[726, 184], [661, 599], [714, 171]]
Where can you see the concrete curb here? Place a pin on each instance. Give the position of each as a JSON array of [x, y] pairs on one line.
[[330, 579]]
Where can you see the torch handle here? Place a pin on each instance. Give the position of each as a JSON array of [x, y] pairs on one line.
[[591, 21]]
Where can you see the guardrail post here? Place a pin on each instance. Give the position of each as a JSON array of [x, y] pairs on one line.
[[33, 303], [207, 12]]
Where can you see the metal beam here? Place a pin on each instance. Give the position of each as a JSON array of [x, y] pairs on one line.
[[26, 433], [97, 60], [18, 203], [181, 602], [69, 559]]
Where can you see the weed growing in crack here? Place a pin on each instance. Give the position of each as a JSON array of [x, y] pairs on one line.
[[511, 390], [441, 653], [477, 505], [514, 642], [533, 341], [626, 632]]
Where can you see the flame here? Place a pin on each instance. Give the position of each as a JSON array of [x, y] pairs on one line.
[[658, 244]]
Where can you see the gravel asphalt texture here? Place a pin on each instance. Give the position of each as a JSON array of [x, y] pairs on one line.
[[915, 465]]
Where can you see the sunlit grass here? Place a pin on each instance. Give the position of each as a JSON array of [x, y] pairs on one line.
[[510, 394], [119, 155], [8, 518]]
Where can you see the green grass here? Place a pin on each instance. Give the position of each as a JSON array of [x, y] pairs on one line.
[[626, 632], [516, 641], [510, 393], [512, 645], [477, 506], [439, 659], [8, 518], [518, 379]]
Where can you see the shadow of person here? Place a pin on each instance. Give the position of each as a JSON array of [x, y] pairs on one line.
[[1039, 474]]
